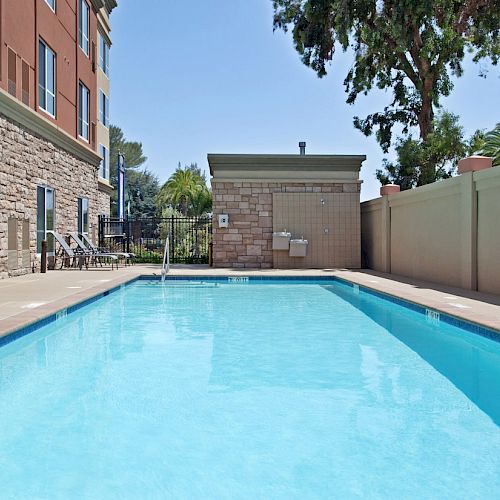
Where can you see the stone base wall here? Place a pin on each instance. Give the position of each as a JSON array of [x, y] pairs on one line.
[[247, 242], [27, 161], [103, 203]]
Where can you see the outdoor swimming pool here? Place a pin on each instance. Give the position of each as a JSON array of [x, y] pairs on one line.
[[266, 389]]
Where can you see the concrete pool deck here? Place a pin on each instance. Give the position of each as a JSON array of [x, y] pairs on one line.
[[29, 298]]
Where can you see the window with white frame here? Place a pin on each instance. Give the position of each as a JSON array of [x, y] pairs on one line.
[[83, 215], [45, 217], [104, 168], [83, 111], [83, 25], [103, 55], [103, 108], [51, 4], [46, 78]]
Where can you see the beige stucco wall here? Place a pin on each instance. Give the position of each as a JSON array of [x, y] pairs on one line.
[[103, 83], [426, 234], [447, 232], [488, 230], [371, 234], [328, 221]]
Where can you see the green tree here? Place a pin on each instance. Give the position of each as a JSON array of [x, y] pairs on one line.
[[197, 171], [421, 162], [185, 191], [141, 191], [141, 185], [490, 145], [201, 202], [411, 47]]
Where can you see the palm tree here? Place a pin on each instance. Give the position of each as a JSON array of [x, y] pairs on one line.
[[201, 202], [491, 145], [186, 192]]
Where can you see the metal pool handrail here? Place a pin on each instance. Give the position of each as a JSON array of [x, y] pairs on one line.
[[166, 260]]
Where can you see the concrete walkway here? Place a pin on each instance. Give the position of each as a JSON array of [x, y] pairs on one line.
[[26, 299]]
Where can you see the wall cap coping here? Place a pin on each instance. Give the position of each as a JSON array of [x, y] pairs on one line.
[[17, 111], [474, 163], [388, 189], [283, 163], [487, 179], [372, 205], [439, 189]]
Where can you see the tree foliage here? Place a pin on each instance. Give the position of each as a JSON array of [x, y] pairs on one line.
[[186, 192], [411, 48], [422, 162], [141, 186], [131, 150], [141, 191], [490, 145]]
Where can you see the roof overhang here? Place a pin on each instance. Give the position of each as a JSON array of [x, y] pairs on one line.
[[291, 167], [109, 5]]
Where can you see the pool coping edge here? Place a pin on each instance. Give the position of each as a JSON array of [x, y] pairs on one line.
[[49, 313]]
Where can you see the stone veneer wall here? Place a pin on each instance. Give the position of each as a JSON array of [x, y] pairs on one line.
[[26, 161], [103, 203], [247, 242]]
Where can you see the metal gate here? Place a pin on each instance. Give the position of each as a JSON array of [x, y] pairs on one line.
[[190, 238]]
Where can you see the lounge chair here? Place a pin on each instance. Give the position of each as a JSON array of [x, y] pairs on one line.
[[89, 245], [80, 257], [94, 251]]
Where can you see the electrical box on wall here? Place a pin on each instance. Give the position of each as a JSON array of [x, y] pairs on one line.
[[223, 220]]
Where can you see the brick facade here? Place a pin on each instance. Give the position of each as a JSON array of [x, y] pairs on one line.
[[26, 161], [247, 242]]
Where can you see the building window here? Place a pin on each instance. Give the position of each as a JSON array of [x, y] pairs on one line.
[[83, 216], [12, 72], [83, 26], [103, 55], [103, 108], [83, 111], [45, 217], [104, 168], [51, 4], [46, 79]]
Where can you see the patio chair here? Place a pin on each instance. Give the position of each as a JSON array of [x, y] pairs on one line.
[[94, 251], [80, 256], [89, 244], [66, 253]]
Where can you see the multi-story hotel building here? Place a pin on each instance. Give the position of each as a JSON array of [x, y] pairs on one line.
[[54, 119], [103, 87]]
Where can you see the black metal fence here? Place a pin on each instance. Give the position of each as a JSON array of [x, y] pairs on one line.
[[190, 238]]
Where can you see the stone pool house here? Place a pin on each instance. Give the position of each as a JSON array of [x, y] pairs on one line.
[[54, 119], [286, 211]]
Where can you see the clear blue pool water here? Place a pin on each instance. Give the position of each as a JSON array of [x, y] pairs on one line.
[[249, 391]]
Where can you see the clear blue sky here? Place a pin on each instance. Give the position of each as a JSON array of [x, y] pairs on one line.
[[198, 77]]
